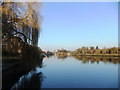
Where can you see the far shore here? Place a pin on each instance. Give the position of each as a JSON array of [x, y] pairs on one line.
[[103, 55], [97, 55]]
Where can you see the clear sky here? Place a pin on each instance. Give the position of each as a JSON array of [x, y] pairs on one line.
[[71, 25]]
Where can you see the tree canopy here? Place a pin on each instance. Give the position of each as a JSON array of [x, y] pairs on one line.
[[21, 19]]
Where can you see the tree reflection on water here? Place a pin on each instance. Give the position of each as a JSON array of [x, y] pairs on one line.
[[93, 59], [20, 73], [62, 56], [31, 80]]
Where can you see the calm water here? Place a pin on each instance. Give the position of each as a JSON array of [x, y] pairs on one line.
[[70, 72]]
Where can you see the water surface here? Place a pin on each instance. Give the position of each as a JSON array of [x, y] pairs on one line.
[[70, 72]]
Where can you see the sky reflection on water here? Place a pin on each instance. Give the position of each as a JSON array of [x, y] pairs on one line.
[[72, 73]]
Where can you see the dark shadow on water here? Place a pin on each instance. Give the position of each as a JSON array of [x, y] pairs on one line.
[[13, 70], [31, 80]]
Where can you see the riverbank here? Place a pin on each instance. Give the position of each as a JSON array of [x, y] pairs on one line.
[[99, 55], [91, 51]]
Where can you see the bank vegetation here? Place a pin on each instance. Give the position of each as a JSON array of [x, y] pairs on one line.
[[91, 51]]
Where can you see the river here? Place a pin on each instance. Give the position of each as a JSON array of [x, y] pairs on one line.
[[72, 72]]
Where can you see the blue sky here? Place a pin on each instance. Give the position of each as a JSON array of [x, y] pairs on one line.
[[71, 25]]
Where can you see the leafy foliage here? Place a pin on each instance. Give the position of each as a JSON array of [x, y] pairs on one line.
[[20, 25]]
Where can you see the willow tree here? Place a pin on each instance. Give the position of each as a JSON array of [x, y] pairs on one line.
[[23, 19], [20, 20]]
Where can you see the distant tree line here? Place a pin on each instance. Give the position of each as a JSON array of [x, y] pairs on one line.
[[96, 50], [90, 51]]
